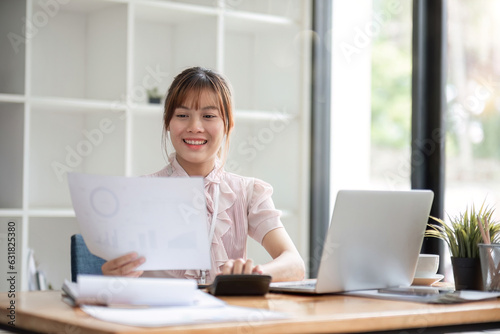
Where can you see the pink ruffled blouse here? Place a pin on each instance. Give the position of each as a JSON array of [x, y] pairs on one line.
[[245, 209]]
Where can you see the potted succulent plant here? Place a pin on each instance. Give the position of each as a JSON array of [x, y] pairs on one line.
[[154, 95], [462, 235]]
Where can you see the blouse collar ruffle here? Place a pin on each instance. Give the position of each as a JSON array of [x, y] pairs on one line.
[[227, 198]]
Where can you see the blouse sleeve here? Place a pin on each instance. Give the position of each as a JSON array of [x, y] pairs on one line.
[[262, 215]]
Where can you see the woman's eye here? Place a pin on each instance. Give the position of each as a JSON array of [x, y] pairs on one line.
[[210, 116], [180, 116]]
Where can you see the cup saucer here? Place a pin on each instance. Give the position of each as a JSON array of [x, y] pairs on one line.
[[427, 280]]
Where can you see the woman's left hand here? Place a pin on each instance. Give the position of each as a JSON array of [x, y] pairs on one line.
[[240, 266]]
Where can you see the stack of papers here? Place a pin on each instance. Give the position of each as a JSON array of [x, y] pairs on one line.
[[110, 290], [154, 302], [174, 316]]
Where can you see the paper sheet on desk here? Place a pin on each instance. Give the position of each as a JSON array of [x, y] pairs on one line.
[[163, 219], [99, 289], [172, 316]]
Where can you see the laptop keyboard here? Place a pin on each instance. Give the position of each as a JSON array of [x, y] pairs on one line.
[[296, 285], [305, 286]]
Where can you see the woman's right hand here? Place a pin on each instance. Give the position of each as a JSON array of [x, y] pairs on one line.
[[124, 265]]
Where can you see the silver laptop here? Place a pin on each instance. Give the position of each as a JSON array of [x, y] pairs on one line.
[[373, 242]]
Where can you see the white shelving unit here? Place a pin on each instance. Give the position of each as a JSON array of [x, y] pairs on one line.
[[73, 98]]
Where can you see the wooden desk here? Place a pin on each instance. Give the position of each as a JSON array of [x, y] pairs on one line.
[[44, 311]]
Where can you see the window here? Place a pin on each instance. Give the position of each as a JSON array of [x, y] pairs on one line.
[[473, 97], [371, 94]]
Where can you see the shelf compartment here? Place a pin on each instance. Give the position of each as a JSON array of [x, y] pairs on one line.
[[163, 48], [193, 4], [287, 140], [72, 105], [12, 46], [260, 64], [50, 239], [71, 140], [148, 109], [172, 12], [11, 213], [11, 151], [252, 22], [15, 98], [88, 6], [63, 212], [253, 153], [263, 115], [289, 9], [147, 154], [83, 48]]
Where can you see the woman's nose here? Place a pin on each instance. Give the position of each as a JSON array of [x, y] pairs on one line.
[[195, 125]]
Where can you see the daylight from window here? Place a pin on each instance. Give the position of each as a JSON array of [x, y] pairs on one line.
[[371, 99], [473, 100], [390, 165], [371, 95]]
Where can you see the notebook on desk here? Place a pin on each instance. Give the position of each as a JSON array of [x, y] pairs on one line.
[[373, 242]]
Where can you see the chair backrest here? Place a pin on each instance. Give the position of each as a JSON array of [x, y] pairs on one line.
[[82, 261]]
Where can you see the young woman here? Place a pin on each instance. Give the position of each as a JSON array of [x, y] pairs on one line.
[[198, 119]]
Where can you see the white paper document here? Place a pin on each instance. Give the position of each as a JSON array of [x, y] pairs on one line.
[[172, 316], [113, 290], [162, 219]]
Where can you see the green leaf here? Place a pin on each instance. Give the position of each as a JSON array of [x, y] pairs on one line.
[[462, 234]]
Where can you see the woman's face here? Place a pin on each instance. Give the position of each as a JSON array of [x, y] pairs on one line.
[[197, 134]]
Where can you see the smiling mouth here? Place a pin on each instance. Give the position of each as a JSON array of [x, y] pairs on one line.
[[195, 142]]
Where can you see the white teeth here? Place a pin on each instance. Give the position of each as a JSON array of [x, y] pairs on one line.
[[195, 142]]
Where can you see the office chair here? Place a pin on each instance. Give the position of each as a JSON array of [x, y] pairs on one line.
[[82, 261]]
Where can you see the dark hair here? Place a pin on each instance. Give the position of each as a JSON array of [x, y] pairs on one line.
[[196, 80]]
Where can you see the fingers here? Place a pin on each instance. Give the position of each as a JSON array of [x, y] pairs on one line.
[[124, 265], [248, 267], [258, 270], [240, 266], [135, 274], [227, 268]]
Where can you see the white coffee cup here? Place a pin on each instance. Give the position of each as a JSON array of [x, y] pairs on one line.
[[427, 265]]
